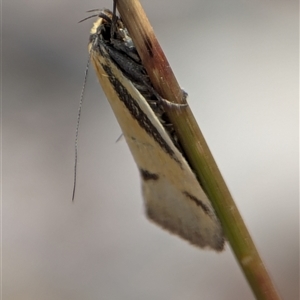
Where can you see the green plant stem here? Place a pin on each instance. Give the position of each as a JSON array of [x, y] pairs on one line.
[[196, 149]]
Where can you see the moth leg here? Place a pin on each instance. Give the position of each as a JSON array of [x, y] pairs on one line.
[[176, 105], [173, 105]]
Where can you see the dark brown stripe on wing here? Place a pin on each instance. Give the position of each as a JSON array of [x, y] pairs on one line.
[[198, 202], [146, 175], [138, 114]]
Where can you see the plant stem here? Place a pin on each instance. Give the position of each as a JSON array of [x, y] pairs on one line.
[[196, 149]]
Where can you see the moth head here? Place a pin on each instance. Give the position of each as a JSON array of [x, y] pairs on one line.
[[112, 32]]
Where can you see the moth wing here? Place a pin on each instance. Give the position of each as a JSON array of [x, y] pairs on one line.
[[173, 196]]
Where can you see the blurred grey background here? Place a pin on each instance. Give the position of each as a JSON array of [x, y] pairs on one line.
[[238, 60]]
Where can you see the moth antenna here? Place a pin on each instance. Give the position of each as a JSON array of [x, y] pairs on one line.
[[77, 125], [99, 15], [92, 10], [89, 17]]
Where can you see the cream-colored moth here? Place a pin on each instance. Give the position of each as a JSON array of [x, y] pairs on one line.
[[173, 197]]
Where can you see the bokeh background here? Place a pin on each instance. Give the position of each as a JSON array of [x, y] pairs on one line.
[[238, 60]]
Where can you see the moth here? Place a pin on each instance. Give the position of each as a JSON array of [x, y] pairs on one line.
[[173, 197]]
